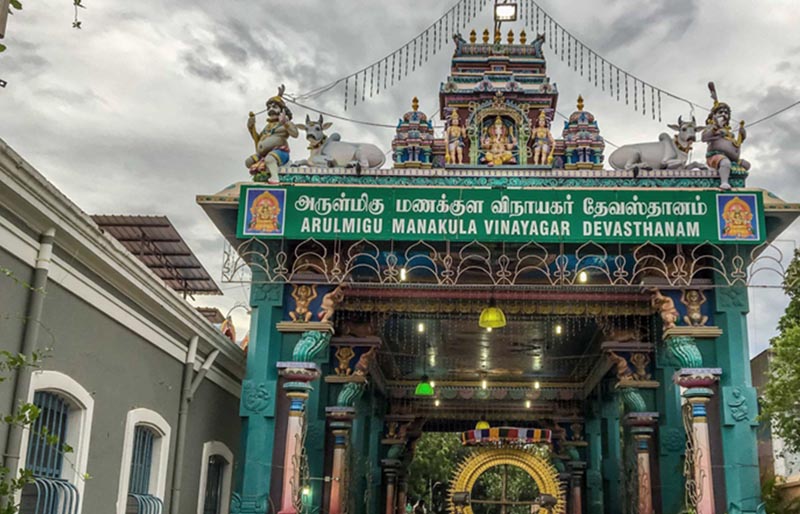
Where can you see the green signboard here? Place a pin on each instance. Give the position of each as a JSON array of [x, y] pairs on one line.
[[512, 215]]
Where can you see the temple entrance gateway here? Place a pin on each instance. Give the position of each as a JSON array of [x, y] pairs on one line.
[[496, 282]]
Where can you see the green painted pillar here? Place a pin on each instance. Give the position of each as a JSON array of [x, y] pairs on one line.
[[257, 405], [671, 434], [594, 472], [372, 492], [737, 402], [613, 492]]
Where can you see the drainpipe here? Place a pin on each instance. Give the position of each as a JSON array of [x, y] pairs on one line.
[[33, 318], [190, 385]]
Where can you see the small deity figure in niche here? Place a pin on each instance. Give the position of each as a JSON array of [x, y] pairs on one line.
[[543, 142], [577, 431], [694, 300], [738, 218], [329, 303], [364, 362], [455, 134], [272, 143], [724, 148], [303, 296], [344, 355], [499, 144], [265, 214], [640, 362], [666, 308]]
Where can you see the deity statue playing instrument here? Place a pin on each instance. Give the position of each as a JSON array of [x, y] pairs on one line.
[[499, 144], [272, 143], [455, 134], [543, 142], [724, 148]]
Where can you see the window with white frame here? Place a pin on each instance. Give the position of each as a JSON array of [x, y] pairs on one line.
[[214, 493], [56, 446], [143, 472]]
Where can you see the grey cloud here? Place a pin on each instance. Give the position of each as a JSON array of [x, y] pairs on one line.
[[197, 63], [641, 19]]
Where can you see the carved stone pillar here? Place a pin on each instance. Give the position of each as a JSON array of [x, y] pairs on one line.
[[298, 376], [402, 492], [576, 469], [641, 429], [341, 421], [390, 472], [698, 393]]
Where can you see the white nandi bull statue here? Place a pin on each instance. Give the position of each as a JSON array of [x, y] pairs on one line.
[[331, 151], [669, 152]]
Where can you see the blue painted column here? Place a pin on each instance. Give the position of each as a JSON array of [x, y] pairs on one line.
[[257, 405], [737, 402]]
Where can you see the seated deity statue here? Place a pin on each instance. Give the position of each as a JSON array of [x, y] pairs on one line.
[[498, 144]]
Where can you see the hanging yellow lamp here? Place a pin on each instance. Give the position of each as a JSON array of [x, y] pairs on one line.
[[492, 316], [482, 424]]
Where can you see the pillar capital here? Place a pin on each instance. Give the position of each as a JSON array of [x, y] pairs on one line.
[[299, 372], [697, 377]]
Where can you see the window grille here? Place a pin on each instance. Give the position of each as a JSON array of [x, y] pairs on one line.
[[45, 458], [140, 501], [48, 493], [216, 466]]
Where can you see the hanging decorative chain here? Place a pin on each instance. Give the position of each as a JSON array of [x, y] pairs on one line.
[[569, 44], [417, 51]]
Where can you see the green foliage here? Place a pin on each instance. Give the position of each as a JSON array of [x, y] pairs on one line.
[[780, 404], [435, 459], [774, 502]]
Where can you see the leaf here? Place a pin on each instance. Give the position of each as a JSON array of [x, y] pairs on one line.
[[16, 4], [2, 47]]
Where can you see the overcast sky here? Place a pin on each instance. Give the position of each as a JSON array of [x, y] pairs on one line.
[[145, 107]]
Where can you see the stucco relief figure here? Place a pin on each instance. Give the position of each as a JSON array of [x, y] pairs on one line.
[[329, 303], [640, 361], [738, 405], [621, 367], [543, 142], [724, 148], [669, 152], [455, 134], [303, 296], [665, 306], [331, 151], [272, 143], [499, 144], [537, 45], [694, 300]]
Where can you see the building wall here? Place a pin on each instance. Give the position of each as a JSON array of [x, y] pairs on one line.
[[116, 330]]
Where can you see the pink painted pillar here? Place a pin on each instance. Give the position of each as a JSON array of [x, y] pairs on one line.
[[297, 389], [337, 500], [642, 436], [698, 398], [698, 383], [390, 470]]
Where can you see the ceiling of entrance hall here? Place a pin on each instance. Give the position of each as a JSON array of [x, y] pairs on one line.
[[454, 347]]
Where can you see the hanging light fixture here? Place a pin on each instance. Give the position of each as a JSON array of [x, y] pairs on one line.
[[492, 316], [424, 388], [482, 424]]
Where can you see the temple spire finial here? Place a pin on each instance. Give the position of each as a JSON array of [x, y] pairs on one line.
[[473, 36], [415, 104], [580, 102]]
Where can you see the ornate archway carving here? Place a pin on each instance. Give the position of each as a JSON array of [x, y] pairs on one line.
[[540, 470]]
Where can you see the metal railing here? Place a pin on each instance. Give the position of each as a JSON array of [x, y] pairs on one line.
[[49, 496]]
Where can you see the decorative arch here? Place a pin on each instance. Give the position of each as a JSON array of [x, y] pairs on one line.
[[540, 470], [218, 449]]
